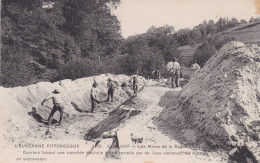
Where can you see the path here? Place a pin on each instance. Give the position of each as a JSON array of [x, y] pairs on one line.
[[154, 145]]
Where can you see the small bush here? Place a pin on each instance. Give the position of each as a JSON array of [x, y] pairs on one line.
[[203, 53], [209, 48], [220, 40]]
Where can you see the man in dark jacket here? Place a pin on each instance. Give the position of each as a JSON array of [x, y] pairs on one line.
[[110, 92]]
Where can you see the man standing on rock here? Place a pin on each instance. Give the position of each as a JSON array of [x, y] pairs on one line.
[[93, 96], [110, 91], [173, 68], [57, 106]]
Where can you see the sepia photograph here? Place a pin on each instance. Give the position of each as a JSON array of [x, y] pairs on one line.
[[130, 81]]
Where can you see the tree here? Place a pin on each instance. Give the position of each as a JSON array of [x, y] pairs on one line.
[[32, 36], [95, 29], [233, 22], [252, 20], [183, 36], [209, 47], [203, 53], [203, 28], [220, 40], [243, 21], [195, 35], [211, 27], [150, 50], [222, 24], [257, 19], [47, 35]]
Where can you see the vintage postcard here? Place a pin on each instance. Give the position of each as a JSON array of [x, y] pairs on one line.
[[123, 81]]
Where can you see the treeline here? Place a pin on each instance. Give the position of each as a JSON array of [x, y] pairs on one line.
[[200, 32], [50, 40], [47, 40], [157, 46], [209, 47]]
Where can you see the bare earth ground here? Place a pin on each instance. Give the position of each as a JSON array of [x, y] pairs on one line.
[[160, 141], [219, 106], [144, 120]]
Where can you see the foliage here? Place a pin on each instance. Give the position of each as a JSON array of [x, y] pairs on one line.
[[59, 39], [146, 52], [47, 36], [209, 47], [220, 40], [203, 53], [243, 21]]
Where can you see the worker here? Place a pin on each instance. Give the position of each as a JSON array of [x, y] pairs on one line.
[[93, 96], [57, 105], [157, 74], [173, 69], [135, 85], [110, 92]]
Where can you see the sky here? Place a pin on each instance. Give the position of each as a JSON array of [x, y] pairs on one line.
[[136, 16]]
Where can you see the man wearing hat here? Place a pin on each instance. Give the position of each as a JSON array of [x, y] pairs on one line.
[[93, 96], [57, 105], [110, 92], [173, 68]]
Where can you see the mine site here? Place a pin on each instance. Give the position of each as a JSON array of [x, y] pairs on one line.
[[216, 122], [74, 88]]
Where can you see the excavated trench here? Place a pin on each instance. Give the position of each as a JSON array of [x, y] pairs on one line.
[[121, 116], [107, 128]]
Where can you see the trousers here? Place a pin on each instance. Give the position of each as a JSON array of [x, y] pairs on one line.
[[135, 88], [56, 107], [175, 79], [93, 103], [110, 93]]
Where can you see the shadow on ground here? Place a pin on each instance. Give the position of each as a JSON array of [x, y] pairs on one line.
[[171, 121]]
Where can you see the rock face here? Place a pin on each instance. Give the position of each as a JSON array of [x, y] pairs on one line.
[[16, 103], [222, 101]]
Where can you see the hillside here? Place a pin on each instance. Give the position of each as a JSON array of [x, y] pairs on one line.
[[247, 33]]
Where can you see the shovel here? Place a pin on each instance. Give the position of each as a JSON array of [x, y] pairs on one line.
[[67, 114]]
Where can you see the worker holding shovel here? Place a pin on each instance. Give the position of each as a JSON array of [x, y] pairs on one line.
[[93, 96], [110, 92], [57, 105]]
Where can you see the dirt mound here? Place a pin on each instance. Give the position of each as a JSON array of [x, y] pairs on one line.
[[16, 106], [221, 103]]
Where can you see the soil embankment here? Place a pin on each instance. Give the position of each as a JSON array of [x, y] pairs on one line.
[[220, 106], [20, 125]]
